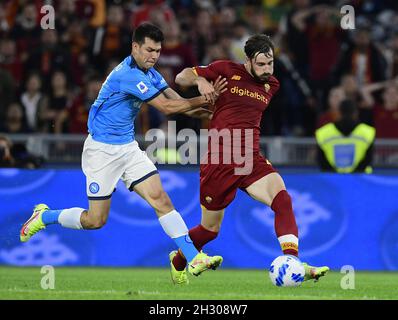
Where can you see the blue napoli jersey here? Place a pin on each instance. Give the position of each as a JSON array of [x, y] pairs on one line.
[[112, 115]]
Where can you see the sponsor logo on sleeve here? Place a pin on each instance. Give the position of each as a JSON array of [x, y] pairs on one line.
[[142, 87]]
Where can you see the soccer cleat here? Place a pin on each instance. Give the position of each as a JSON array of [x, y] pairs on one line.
[[314, 273], [178, 277], [34, 224], [203, 262]]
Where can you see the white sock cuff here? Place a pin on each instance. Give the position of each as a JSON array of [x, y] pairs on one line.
[[288, 238], [70, 218], [173, 224]]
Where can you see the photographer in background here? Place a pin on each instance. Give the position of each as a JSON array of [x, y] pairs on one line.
[[16, 156], [6, 159]]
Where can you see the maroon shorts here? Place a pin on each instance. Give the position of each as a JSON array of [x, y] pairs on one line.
[[219, 183]]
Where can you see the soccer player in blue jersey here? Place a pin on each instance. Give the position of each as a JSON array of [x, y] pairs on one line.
[[111, 153]]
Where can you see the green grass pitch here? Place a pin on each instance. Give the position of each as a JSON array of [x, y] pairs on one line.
[[155, 283]]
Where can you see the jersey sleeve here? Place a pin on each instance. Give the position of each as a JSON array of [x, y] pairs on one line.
[[139, 86], [211, 71], [158, 81]]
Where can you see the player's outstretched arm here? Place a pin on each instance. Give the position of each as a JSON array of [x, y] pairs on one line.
[[201, 113], [171, 94], [193, 107], [188, 77], [178, 105]]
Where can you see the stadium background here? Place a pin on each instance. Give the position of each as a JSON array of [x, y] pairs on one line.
[[49, 78]]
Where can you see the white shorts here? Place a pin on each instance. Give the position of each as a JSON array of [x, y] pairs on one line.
[[104, 164]]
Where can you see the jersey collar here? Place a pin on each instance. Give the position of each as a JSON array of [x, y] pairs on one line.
[[133, 64]]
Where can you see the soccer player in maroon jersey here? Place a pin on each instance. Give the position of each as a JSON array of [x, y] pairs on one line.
[[238, 111]]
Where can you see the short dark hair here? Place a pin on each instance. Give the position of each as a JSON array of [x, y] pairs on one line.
[[259, 43], [147, 30], [347, 108]]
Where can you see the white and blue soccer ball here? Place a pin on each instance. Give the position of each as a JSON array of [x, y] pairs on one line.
[[286, 271]]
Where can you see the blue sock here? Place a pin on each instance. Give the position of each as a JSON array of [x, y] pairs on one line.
[[187, 247], [50, 216]]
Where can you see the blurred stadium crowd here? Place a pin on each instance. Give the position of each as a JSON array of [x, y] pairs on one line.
[[49, 78]]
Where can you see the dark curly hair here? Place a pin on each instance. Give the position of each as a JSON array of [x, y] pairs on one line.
[[258, 43]]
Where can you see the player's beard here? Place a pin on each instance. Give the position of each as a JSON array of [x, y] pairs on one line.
[[262, 78]]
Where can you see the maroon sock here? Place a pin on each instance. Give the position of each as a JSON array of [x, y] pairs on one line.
[[285, 222], [199, 236]]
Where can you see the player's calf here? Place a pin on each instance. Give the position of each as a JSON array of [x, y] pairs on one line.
[[160, 201], [285, 223], [152, 191], [91, 221]]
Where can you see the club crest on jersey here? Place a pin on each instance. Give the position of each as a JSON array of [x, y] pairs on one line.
[[208, 199], [267, 87], [94, 187], [142, 87], [235, 77]]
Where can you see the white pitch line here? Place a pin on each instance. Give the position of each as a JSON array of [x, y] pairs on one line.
[[153, 293], [52, 292], [58, 291]]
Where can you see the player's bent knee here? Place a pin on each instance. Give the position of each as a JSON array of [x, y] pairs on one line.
[[213, 227], [92, 221], [283, 200], [161, 201], [97, 224], [156, 194]]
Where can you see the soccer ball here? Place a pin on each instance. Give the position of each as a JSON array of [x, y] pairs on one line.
[[286, 271]]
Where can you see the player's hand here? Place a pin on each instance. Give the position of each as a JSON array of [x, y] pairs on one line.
[[220, 86], [206, 89]]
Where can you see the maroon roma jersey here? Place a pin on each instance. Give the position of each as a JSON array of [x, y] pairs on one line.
[[242, 105]]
